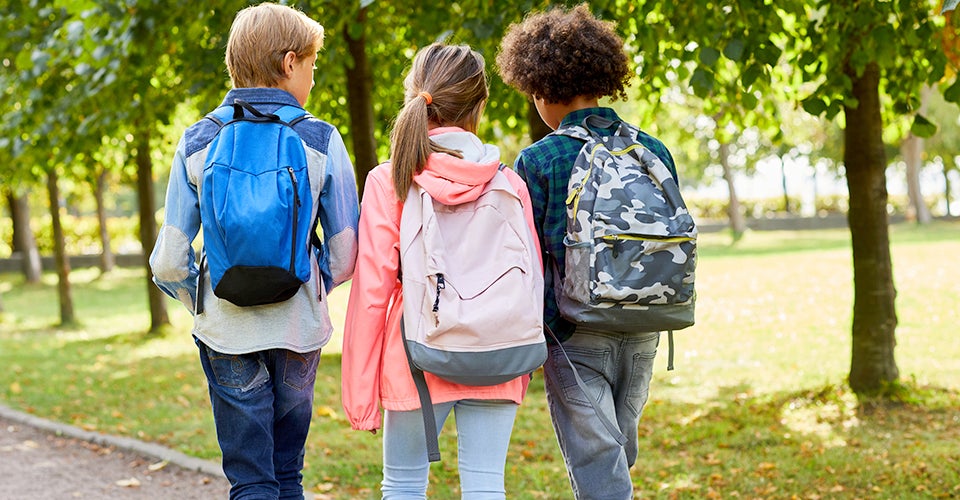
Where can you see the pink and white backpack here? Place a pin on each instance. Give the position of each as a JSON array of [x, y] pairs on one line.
[[472, 287]]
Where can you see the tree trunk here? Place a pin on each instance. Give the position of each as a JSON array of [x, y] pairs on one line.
[[17, 220], [946, 186], [24, 241], [783, 184], [738, 223], [360, 101], [148, 225], [67, 316], [538, 129], [912, 151], [107, 260], [872, 367]]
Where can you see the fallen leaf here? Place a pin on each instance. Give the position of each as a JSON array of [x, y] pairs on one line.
[[157, 466], [129, 483], [326, 411], [322, 487]]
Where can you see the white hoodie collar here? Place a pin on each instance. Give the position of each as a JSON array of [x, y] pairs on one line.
[[472, 148]]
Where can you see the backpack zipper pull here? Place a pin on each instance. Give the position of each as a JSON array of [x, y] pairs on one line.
[[616, 246], [296, 190], [440, 286]]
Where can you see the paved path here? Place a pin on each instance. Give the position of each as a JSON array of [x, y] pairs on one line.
[[40, 459]]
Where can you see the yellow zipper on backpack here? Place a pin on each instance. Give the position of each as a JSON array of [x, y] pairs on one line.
[[634, 237], [574, 195]]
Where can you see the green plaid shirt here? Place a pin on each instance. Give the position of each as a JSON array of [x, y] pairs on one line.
[[545, 166]]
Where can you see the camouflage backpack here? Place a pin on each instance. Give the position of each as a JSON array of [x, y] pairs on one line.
[[630, 243]]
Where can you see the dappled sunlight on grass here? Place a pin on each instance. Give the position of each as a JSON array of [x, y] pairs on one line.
[[756, 408], [169, 346], [799, 444], [826, 420]]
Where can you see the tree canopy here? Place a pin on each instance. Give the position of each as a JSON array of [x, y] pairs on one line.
[[82, 75]]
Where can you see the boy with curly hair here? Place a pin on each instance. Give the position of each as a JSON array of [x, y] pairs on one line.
[[566, 60]]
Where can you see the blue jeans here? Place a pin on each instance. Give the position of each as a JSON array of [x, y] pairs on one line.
[[616, 368], [483, 436], [262, 405]]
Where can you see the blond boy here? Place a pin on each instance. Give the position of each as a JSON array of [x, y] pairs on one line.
[[261, 361]]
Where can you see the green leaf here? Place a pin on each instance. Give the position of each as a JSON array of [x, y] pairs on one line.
[[769, 54], [734, 49], [922, 127], [814, 105], [885, 39], [808, 58], [709, 56], [834, 109], [952, 94], [750, 75], [702, 83]]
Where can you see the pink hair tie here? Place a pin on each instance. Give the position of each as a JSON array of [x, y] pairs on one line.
[[426, 97]]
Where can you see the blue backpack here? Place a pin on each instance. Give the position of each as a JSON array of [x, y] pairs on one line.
[[256, 206]]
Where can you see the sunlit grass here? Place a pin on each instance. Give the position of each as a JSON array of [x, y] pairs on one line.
[[756, 408]]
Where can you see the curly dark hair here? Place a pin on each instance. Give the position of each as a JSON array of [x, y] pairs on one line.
[[560, 54]]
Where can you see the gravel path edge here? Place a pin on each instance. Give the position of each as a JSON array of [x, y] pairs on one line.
[[120, 442]]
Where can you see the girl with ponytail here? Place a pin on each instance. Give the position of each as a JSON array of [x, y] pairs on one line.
[[433, 144]]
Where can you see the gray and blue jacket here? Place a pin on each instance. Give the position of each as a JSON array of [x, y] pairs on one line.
[[302, 323]]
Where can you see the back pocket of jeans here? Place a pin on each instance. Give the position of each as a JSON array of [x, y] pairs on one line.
[[237, 371], [300, 370], [591, 374]]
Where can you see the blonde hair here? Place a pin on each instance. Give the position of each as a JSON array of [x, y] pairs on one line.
[[454, 79], [261, 36]]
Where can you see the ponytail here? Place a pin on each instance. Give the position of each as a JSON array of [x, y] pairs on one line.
[[410, 145], [446, 86]]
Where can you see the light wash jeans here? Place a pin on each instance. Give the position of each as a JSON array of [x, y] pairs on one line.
[[483, 436], [262, 405], [616, 368]]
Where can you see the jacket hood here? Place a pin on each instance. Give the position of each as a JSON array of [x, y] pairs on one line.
[[451, 180]]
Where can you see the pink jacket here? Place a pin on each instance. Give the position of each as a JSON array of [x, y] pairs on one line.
[[375, 372]]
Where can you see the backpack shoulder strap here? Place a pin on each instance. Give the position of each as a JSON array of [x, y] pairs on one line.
[[291, 115], [604, 419], [584, 132], [426, 403], [500, 181], [574, 131], [287, 114], [221, 116]]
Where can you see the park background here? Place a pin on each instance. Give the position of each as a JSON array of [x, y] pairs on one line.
[[816, 144]]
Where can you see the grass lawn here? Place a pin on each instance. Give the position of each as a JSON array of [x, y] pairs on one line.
[[756, 408]]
